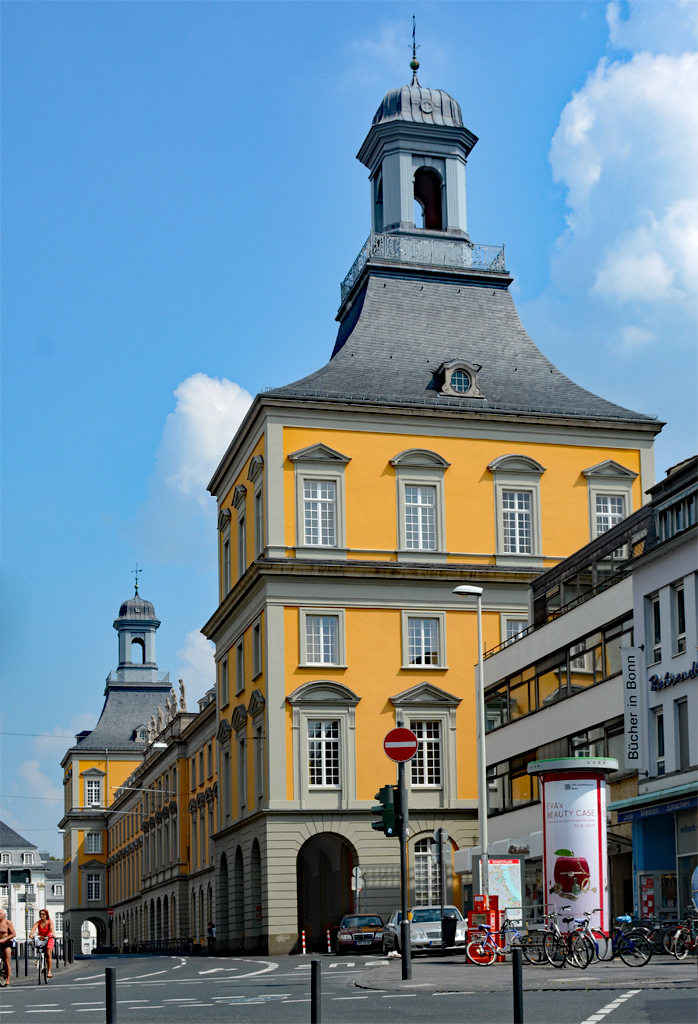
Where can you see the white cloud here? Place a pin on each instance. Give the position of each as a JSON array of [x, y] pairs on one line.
[[174, 522], [632, 337], [657, 27], [386, 56], [37, 783], [197, 666], [208, 412]]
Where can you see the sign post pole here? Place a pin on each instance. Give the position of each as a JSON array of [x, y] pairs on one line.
[[442, 886], [406, 942]]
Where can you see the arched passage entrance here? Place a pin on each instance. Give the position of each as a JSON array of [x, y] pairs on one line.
[[324, 885]]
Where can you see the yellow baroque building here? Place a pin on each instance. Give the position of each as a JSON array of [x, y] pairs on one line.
[[437, 446]]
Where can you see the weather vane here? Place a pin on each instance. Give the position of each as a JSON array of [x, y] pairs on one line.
[[414, 63], [135, 572]]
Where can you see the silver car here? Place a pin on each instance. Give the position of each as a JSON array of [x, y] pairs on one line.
[[425, 929]]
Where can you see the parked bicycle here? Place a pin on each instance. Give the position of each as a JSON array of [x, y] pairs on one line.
[[483, 949], [572, 948], [683, 940], [632, 945], [41, 960]]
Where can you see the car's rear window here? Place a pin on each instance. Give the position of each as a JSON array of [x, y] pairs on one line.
[[361, 922], [429, 914]]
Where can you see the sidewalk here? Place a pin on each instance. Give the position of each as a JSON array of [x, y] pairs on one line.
[[451, 974], [58, 974]]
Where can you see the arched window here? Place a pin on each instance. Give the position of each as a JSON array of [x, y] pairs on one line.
[[427, 882], [137, 652], [427, 194], [378, 215]]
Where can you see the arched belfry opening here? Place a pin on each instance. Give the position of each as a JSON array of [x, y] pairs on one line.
[[378, 203], [427, 194], [324, 886], [137, 651]]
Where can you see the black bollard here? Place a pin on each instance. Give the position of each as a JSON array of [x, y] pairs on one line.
[[517, 967], [110, 993], [315, 992], [26, 958]]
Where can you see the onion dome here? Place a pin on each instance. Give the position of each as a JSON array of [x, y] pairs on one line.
[[136, 609], [425, 106]]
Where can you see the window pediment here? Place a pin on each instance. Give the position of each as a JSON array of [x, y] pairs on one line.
[[255, 467], [420, 457], [90, 865], [223, 518], [92, 773], [239, 717], [425, 693], [516, 464], [611, 469], [239, 495], [256, 704], [224, 730], [319, 453], [325, 692]]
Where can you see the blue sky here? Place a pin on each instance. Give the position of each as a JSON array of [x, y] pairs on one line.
[[181, 199]]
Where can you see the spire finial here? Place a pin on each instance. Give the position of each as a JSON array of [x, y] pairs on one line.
[[414, 63], [136, 572]]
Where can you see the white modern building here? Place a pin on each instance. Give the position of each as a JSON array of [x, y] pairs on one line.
[[29, 882]]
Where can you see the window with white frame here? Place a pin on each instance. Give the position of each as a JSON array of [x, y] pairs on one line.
[[30, 917], [258, 522], [58, 920], [5, 858], [517, 523], [242, 773], [239, 666], [679, 618], [660, 756], [58, 889], [323, 753], [513, 628], [256, 649], [94, 888], [27, 858], [426, 763], [421, 526], [4, 892], [242, 545], [610, 510], [683, 760], [518, 505], [29, 887], [321, 639], [93, 792], [226, 565], [655, 630], [427, 876], [420, 518], [93, 842], [579, 661], [224, 681], [320, 513], [423, 641]]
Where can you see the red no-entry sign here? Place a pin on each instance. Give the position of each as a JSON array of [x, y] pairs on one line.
[[400, 744]]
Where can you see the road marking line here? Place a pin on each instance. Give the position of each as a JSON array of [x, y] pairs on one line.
[[213, 970], [600, 1014], [44, 1011], [133, 1000], [295, 1001], [91, 1009], [343, 999], [92, 1002], [470, 992], [137, 977], [401, 995]]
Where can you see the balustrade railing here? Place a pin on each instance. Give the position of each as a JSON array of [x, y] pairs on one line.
[[427, 250]]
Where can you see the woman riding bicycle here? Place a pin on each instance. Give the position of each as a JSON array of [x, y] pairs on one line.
[[45, 928]]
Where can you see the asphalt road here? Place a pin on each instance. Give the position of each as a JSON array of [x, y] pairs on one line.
[[240, 990]]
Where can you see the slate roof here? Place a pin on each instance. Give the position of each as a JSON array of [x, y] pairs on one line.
[[136, 609], [125, 708], [424, 106], [403, 325], [11, 840]]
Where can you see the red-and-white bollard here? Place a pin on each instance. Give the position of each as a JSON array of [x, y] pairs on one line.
[[329, 941], [303, 949]]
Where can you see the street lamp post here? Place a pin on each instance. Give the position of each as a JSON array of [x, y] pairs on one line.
[[468, 591]]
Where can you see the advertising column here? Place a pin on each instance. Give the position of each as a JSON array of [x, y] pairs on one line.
[[575, 862]]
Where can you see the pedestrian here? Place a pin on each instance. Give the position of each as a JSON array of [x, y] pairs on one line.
[[211, 936]]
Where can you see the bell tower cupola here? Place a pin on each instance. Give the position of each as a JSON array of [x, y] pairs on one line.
[[416, 152], [136, 625]]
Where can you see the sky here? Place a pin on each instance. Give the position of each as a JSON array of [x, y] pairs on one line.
[[180, 202]]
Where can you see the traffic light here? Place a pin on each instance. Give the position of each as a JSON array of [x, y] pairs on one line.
[[389, 809]]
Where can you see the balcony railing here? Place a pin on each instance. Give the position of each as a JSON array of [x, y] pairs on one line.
[[427, 250]]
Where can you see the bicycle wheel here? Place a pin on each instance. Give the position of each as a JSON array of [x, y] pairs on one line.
[[38, 969], [44, 968], [634, 949], [668, 940], [579, 951], [603, 947], [532, 948], [554, 948], [480, 953], [680, 946]]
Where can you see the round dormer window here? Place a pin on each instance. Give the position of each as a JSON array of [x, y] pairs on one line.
[[460, 381]]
